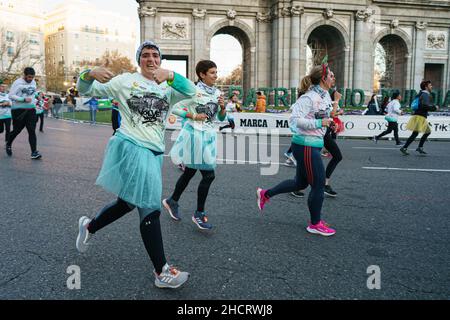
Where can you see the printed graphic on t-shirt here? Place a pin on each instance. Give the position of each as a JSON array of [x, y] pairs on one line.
[[210, 109], [148, 110], [322, 112], [27, 91]]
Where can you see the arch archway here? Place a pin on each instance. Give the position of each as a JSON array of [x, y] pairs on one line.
[[391, 62], [243, 35], [327, 39]]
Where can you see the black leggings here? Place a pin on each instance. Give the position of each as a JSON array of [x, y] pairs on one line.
[[24, 118], [203, 188], [229, 125], [392, 126], [150, 228], [5, 125], [41, 126], [332, 147], [115, 120], [309, 171], [414, 136]]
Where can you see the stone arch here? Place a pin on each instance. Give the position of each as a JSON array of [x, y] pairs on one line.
[[331, 38], [247, 38], [398, 32], [396, 49], [332, 23]]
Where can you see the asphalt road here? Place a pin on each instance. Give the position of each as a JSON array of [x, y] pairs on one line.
[[397, 220]]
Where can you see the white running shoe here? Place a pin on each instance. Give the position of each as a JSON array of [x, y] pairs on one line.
[[293, 160], [83, 234], [170, 277]]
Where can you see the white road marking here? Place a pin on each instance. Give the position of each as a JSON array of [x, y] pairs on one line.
[[374, 148], [406, 169], [58, 129]]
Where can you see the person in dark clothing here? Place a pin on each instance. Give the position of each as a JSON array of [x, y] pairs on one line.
[[23, 111], [372, 106], [418, 122], [115, 116], [57, 104], [384, 105]]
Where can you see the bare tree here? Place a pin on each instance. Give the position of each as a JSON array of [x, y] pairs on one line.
[[15, 54], [234, 78], [114, 61]]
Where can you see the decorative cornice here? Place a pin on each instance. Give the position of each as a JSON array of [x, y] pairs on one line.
[[231, 14], [421, 25], [394, 23], [147, 11], [285, 12], [328, 13], [364, 15], [297, 10], [263, 17], [199, 13]]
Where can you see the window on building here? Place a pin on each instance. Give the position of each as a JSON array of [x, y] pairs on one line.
[[9, 36], [76, 35], [10, 51], [34, 39], [97, 39], [86, 28]]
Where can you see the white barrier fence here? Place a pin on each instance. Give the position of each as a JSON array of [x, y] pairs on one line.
[[355, 125]]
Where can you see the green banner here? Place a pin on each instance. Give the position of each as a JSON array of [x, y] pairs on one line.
[[280, 97]]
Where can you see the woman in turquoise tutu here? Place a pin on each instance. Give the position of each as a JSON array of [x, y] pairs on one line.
[[133, 158], [196, 145]]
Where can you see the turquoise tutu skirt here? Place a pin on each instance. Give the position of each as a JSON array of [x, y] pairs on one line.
[[196, 149], [132, 172]]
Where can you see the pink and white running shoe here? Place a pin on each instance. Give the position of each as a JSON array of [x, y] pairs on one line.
[[321, 228], [261, 198]]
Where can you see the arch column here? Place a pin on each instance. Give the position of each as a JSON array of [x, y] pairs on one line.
[[419, 62], [295, 75], [262, 76], [199, 51], [362, 75], [147, 16]]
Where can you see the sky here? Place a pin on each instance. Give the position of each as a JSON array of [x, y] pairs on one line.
[[226, 51]]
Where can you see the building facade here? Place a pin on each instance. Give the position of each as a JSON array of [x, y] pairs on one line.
[[370, 44], [77, 31], [21, 39]]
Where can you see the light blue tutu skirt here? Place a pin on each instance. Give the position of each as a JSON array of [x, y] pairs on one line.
[[196, 149], [132, 172]]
